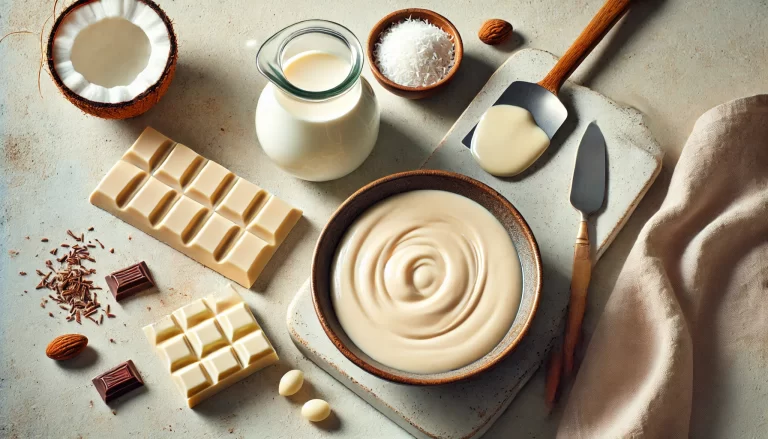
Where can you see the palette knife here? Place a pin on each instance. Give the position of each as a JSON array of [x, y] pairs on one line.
[[587, 196]]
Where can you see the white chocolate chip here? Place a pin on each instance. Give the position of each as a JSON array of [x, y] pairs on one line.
[[316, 410], [291, 382]]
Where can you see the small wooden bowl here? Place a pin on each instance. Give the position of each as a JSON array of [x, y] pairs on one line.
[[422, 14], [359, 202]]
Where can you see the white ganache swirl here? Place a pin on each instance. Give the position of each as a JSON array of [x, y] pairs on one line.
[[426, 281]]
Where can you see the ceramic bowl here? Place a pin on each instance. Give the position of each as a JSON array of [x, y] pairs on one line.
[[359, 202], [422, 14]]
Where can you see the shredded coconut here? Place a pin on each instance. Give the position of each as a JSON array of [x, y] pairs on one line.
[[414, 53]]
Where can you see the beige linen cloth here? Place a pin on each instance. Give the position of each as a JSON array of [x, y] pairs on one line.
[[684, 335]]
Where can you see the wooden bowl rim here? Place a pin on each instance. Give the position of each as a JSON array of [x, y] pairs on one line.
[[402, 379], [389, 20]]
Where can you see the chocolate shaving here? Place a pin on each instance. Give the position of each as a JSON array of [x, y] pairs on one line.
[[75, 237], [44, 240], [64, 244], [111, 250], [54, 251], [91, 246], [99, 242], [40, 273], [50, 314], [23, 273], [90, 229]]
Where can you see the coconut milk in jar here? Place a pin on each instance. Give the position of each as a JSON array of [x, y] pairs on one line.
[[317, 119]]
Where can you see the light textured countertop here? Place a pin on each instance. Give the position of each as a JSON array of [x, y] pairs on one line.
[[670, 59]]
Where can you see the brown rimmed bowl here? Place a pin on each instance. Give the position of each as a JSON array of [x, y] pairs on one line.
[[422, 14], [359, 202]]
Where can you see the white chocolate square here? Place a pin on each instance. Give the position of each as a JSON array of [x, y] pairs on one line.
[[192, 314], [252, 348], [221, 364], [228, 297], [113, 191], [247, 258], [241, 202], [148, 150], [273, 222], [150, 202], [161, 330], [176, 353], [182, 221], [237, 321], [213, 238], [206, 338], [210, 184], [191, 380], [178, 169]]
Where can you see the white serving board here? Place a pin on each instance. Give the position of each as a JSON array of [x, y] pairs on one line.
[[467, 410]]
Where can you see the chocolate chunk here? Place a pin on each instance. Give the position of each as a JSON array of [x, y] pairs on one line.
[[118, 381], [129, 281]]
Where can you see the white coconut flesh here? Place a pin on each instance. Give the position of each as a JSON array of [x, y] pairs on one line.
[[111, 51]]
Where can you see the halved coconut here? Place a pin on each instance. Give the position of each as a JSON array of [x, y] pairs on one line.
[[112, 58]]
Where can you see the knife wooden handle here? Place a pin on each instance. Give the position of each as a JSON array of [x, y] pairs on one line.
[[554, 370], [582, 272], [606, 17]]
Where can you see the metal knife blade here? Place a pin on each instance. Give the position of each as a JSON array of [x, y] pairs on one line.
[[588, 184]]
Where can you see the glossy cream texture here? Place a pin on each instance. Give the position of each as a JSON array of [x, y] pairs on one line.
[[318, 141], [426, 281], [507, 140]]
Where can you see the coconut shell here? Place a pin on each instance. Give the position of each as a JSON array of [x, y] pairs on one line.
[[122, 110]]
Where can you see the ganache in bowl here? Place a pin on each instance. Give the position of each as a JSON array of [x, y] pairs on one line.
[[334, 232]]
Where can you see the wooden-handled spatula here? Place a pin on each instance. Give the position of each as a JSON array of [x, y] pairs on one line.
[[541, 99]]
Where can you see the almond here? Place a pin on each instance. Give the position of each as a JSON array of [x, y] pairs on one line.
[[494, 31], [66, 346]]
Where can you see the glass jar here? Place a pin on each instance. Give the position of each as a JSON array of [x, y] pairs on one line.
[[317, 119]]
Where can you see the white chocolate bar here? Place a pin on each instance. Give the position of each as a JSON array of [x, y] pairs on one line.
[[196, 206], [210, 344]]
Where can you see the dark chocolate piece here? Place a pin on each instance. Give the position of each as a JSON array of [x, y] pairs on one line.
[[129, 281], [118, 381]]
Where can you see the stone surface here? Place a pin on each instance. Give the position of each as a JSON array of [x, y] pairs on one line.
[[468, 409], [670, 59]]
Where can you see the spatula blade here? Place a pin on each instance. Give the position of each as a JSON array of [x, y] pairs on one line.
[[546, 108], [588, 185]]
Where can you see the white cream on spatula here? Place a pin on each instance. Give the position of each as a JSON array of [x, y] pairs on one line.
[[507, 140]]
